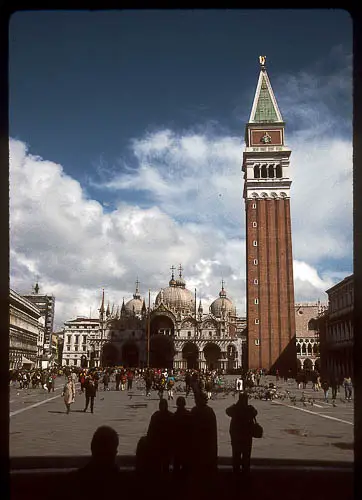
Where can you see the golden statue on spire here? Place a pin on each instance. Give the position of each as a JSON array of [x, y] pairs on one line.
[[262, 60]]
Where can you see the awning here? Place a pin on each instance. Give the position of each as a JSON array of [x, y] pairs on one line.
[[26, 361]]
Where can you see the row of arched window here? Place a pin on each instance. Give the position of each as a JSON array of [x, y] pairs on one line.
[[307, 349], [267, 171]]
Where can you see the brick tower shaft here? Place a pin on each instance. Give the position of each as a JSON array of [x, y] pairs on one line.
[[269, 266]]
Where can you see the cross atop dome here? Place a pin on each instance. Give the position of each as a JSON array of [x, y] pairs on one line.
[[265, 107], [172, 281], [137, 294], [180, 268], [222, 292]]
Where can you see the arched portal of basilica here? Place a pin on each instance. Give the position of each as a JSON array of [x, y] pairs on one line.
[[110, 355], [190, 353], [212, 354], [162, 351], [130, 355]]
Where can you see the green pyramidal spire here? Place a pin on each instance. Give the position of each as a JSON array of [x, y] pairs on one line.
[[265, 108]]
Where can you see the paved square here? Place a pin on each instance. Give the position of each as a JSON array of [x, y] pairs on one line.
[[39, 425]]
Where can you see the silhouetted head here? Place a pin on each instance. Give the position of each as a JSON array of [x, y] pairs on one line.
[[180, 402], [243, 398], [104, 444], [163, 406], [69, 378]]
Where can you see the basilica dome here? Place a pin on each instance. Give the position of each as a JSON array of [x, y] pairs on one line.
[[176, 296], [135, 305], [222, 303]]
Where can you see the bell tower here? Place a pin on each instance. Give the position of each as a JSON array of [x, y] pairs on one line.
[[269, 266]]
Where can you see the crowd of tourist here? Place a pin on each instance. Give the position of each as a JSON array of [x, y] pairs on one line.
[[163, 380]]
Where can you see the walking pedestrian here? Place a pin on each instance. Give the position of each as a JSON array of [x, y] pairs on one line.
[[118, 379], [105, 381], [90, 392], [69, 393], [334, 386], [188, 383], [170, 384], [123, 380], [130, 376], [325, 387], [347, 384], [50, 382], [241, 432]]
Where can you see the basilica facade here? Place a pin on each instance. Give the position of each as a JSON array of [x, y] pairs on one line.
[[175, 332]]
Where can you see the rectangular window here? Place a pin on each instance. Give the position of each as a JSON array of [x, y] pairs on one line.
[[256, 301], [256, 281], [254, 205], [256, 321], [255, 243], [76, 339], [68, 348], [76, 348], [69, 337], [255, 224], [189, 334], [67, 362], [257, 342], [255, 262], [84, 348]]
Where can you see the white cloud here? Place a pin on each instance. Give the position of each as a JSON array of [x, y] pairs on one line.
[[196, 212]]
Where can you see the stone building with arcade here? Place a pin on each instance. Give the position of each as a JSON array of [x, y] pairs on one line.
[[175, 332]]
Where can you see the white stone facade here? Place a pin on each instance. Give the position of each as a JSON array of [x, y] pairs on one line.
[[78, 334], [24, 332]]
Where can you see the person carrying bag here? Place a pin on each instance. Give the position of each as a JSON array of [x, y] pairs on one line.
[[243, 427]]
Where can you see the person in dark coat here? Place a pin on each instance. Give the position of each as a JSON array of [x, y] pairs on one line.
[[241, 430], [182, 426], [90, 393], [106, 381], [204, 437], [188, 383], [334, 386], [159, 438], [118, 380], [101, 477]]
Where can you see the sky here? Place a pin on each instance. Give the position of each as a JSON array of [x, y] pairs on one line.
[[126, 142]]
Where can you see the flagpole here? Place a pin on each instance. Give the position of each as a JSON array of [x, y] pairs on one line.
[[148, 328]]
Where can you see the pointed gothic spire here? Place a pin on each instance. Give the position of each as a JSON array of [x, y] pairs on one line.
[[108, 311], [200, 306], [112, 310], [101, 309], [117, 313], [144, 310], [123, 308], [265, 107]]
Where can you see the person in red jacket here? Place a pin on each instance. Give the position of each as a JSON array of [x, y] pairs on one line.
[[129, 380]]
